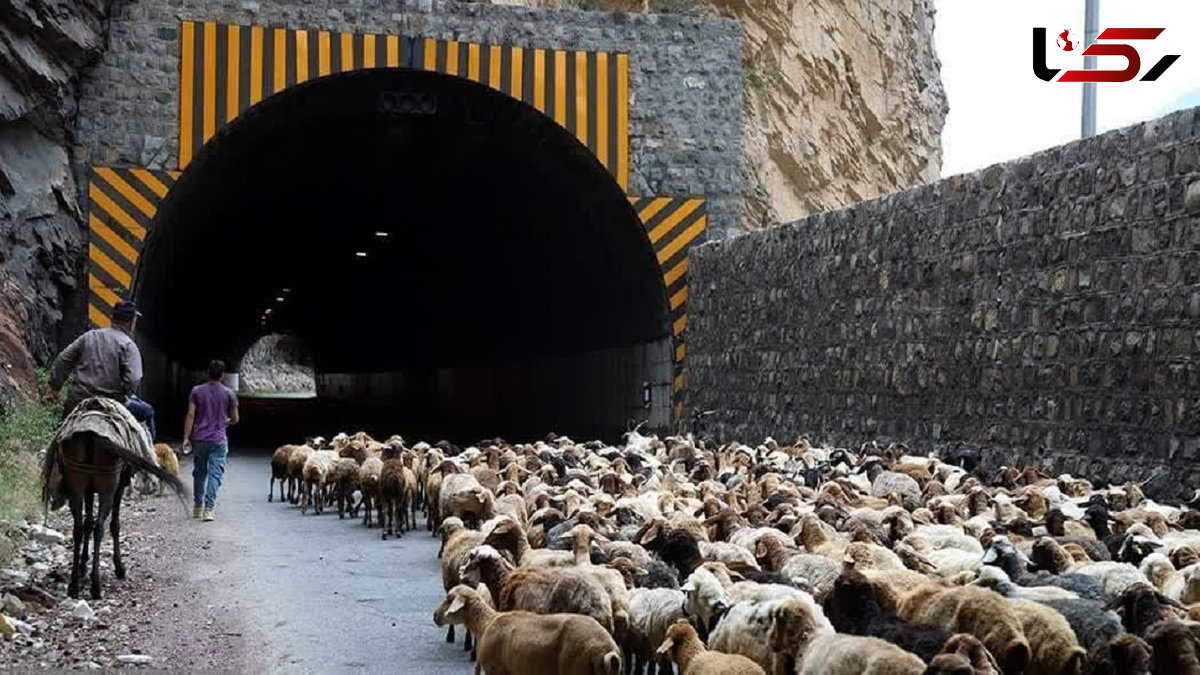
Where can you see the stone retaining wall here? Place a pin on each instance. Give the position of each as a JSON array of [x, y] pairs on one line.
[[1048, 308]]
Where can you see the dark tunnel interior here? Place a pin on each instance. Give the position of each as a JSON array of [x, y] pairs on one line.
[[455, 262]]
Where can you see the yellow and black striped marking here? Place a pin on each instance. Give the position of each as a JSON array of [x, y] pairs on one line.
[[225, 69], [122, 203], [674, 225]]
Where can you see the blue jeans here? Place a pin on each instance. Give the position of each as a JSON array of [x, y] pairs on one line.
[[208, 468], [142, 412]]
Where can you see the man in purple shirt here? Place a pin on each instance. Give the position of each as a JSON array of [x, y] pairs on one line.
[[212, 407]]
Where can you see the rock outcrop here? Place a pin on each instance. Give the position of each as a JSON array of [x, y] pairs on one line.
[[276, 363], [43, 46], [843, 98], [844, 102]]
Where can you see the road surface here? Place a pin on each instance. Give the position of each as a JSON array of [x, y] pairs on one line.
[[317, 594]]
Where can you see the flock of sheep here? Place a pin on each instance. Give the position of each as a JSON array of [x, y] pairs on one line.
[[565, 557]]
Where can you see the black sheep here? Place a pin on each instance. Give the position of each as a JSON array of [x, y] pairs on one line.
[[853, 607], [1141, 607], [1123, 655]]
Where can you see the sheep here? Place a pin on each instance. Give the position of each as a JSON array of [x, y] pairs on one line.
[[457, 543], [651, 612], [517, 642], [462, 496], [853, 608], [392, 489], [1124, 654], [683, 646], [969, 609], [840, 654], [963, 654], [1115, 577], [433, 491], [368, 482], [1179, 585], [1141, 607], [544, 590], [744, 627], [1007, 557], [170, 463], [295, 471], [1053, 645], [1175, 647], [704, 599], [343, 478], [316, 472]]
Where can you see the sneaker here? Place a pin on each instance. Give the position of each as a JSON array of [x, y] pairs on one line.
[[197, 511], [208, 515]]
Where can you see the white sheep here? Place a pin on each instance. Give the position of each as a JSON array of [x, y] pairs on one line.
[[651, 613]]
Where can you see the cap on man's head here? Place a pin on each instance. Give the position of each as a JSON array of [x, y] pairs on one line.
[[125, 310]]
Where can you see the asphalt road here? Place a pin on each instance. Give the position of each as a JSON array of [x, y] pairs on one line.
[[323, 595]]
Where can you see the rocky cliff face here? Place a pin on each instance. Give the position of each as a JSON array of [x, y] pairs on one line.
[[844, 102], [43, 45], [843, 98]]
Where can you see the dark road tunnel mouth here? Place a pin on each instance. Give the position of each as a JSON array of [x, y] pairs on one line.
[[455, 262]]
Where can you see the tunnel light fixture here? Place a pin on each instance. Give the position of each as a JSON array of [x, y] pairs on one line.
[[360, 254], [382, 234], [279, 299], [285, 291], [268, 311]]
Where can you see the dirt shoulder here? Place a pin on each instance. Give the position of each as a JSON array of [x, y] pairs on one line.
[[171, 608]]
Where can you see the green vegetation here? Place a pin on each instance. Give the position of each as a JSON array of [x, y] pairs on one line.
[[26, 426]]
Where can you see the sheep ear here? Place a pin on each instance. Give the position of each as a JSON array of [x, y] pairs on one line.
[[665, 648], [456, 605], [990, 556]]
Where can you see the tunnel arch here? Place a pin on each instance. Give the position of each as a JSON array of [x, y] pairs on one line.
[[435, 243]]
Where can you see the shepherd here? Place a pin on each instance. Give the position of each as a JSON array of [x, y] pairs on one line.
[[105, 362]]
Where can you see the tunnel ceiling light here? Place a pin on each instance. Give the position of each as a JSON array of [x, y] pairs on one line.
[[285, 290], [381, 234], [279, 299], [268, 311], [361, 254]]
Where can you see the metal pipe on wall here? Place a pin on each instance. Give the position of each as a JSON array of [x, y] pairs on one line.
[[1091, 29]]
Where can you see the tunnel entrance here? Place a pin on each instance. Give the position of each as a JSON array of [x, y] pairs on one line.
[[457, 264]]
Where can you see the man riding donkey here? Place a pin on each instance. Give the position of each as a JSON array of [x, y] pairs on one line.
[[100, 443]]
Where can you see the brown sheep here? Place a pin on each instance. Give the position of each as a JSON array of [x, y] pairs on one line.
[[170, 463], [963, 654], [1055, 650], [545, 590], [457, 543], [279, 470], [391, 497], [511, 643], [683, 646], [970, 609], [343, 479], [295, 471], [368, 484]]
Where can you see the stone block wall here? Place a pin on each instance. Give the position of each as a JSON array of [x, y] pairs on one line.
[[685, 79], [1047, 308]]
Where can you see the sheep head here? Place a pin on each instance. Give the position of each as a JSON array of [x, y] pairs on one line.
[[1050, 556], [481, 557], [1134, 548], [792, 627], [914, 559], [969, 648], [1183, 556], [453, 609], [679, 633]]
